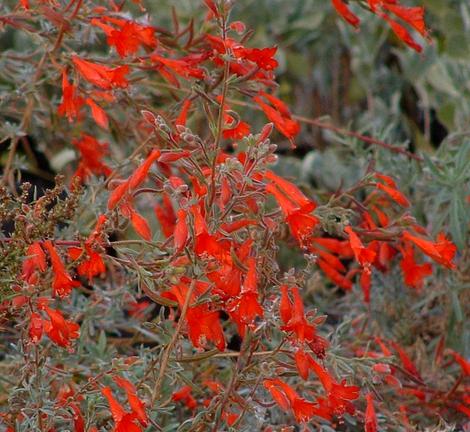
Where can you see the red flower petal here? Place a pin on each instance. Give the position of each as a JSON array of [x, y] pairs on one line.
[[141, 226], [370, 417], [342, 8], [98, 113], [181, 232]]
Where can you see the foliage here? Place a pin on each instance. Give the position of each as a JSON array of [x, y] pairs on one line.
[[183, 272]]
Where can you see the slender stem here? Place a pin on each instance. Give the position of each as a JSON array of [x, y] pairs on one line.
[[367, 139], [172, 343], [220, 120], [322, 125], [229, 389]]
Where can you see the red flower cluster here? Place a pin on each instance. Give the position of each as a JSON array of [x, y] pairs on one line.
[[221, 211], [126, 421], [392, 12], [126, 36], [91, 162], [59, 330]]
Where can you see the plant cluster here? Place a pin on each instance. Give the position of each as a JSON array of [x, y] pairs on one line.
[[146, 289]]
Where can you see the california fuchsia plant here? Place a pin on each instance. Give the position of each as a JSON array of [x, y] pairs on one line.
[[146, 287]]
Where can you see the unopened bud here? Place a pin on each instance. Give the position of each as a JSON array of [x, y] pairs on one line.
[[161, 124], [188, 138], [233, 164], [266, 132], [149, 117], [271, 159], [180, 128]]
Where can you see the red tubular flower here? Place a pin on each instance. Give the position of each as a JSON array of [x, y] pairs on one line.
[[78, 420], [293, 317], [166, 215], [98, 113], [334, 275], [364, 255], [141, 172], [225, 192], [406, 361], [181, 67], [262, 57], [288, 398], [402, 33], [137, 406], [90, 267], [35, 261], [286, 205], [140, 225], [129, 37], [237, 225], [365, 282], [170, 157], [234, 128], [181, 119], [279, 114], [413, 272], [62, 284], [93, 265], [302, 363], [395, 194], [463, 409], [92, 153], [413, 16], [71, 104], [36, 327], [203, 323], [383, 347], [302, 226], [285, 305], [102, 76], [343, 9], [212, 7], [66, 392], [296, 317], [124, 421], [207, 245], [464, 364], [117, 195], [184, 395], [292, 193], [338, 247], [245, 308], [295, 206], [59, 329], [241, 130], [339, 395], [370, 417], [238, 26], [382, 217], [121, 196], [442, 251], [181, 232]]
